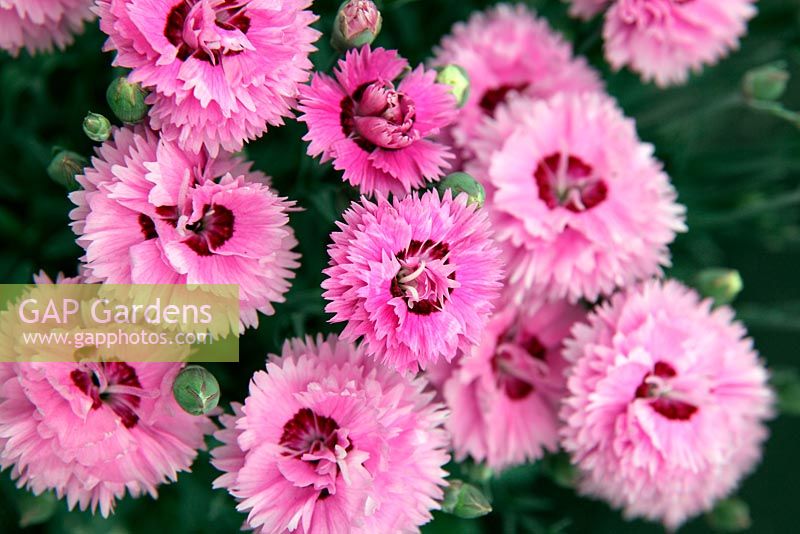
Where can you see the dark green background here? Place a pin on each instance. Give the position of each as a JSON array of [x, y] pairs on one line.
[[737, 171]]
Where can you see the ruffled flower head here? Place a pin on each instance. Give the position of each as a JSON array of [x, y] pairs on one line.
[[664, 40], [506, 51], [219, 71], [329, 441], [39, 25], [503, 395], [375, 128], [151, 213], [91, 432], [577, 201], [415, 278], [666, 403]]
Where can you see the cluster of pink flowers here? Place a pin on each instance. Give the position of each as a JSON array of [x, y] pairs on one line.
[[502, 329], [38, 25], [151, 213], [664, 40]]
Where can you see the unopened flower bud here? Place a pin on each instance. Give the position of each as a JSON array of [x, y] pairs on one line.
[[196, 390], [358, 23], [461, 182], [458, 80], [64, 166], [730, 515], [96, 127], [721, 285], [767, 83], [126, 100], [465, 500]]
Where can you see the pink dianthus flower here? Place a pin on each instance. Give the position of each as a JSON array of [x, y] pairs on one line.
[[328, 441], [577, 201], [219, 71], [376, 129], [151, 213], [38, 25], [503, 395], [415, 278], [506, 51], [666, 403]]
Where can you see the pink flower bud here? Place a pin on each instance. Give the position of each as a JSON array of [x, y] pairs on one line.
[[358, 22]]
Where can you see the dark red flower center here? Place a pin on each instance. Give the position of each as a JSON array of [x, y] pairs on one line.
[[113, 384], [211, 231], [655, 386], [570, 183], [377, 115], [508, 374], [208, 29], [494, 97], [426, 278], [308, 433]]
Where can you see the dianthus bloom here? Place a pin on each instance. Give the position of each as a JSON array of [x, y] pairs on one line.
[[508, 50], [666, 403], [38, 25], [504, 394], [150, 213], [376, 129], [663, 40], [92, 431], [219, 71], [577, 200], [415, 278], [331, 442]]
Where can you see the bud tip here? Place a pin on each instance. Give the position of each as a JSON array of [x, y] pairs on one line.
[[357, 23]]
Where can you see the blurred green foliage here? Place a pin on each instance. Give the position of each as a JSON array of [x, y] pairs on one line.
[[737, 170]]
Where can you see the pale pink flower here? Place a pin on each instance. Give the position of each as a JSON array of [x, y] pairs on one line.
[[219, 71], [92, 432], [331, 442], [507, 50], [504, 394], [151, 213], [666, 404], [665, 40], [577, 201], [376, 129], [39, 25], [587, 9], [415, 278]]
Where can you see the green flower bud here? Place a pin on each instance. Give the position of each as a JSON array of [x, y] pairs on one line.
[[126, 100], [767, 83], [196, 390], [357, 23], [465, 500], [96, 127], [730, 515], [722, 285], [458, 80], [461, 182], [64, 166]]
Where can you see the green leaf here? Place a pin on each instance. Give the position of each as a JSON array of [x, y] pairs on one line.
[[35, 510]]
